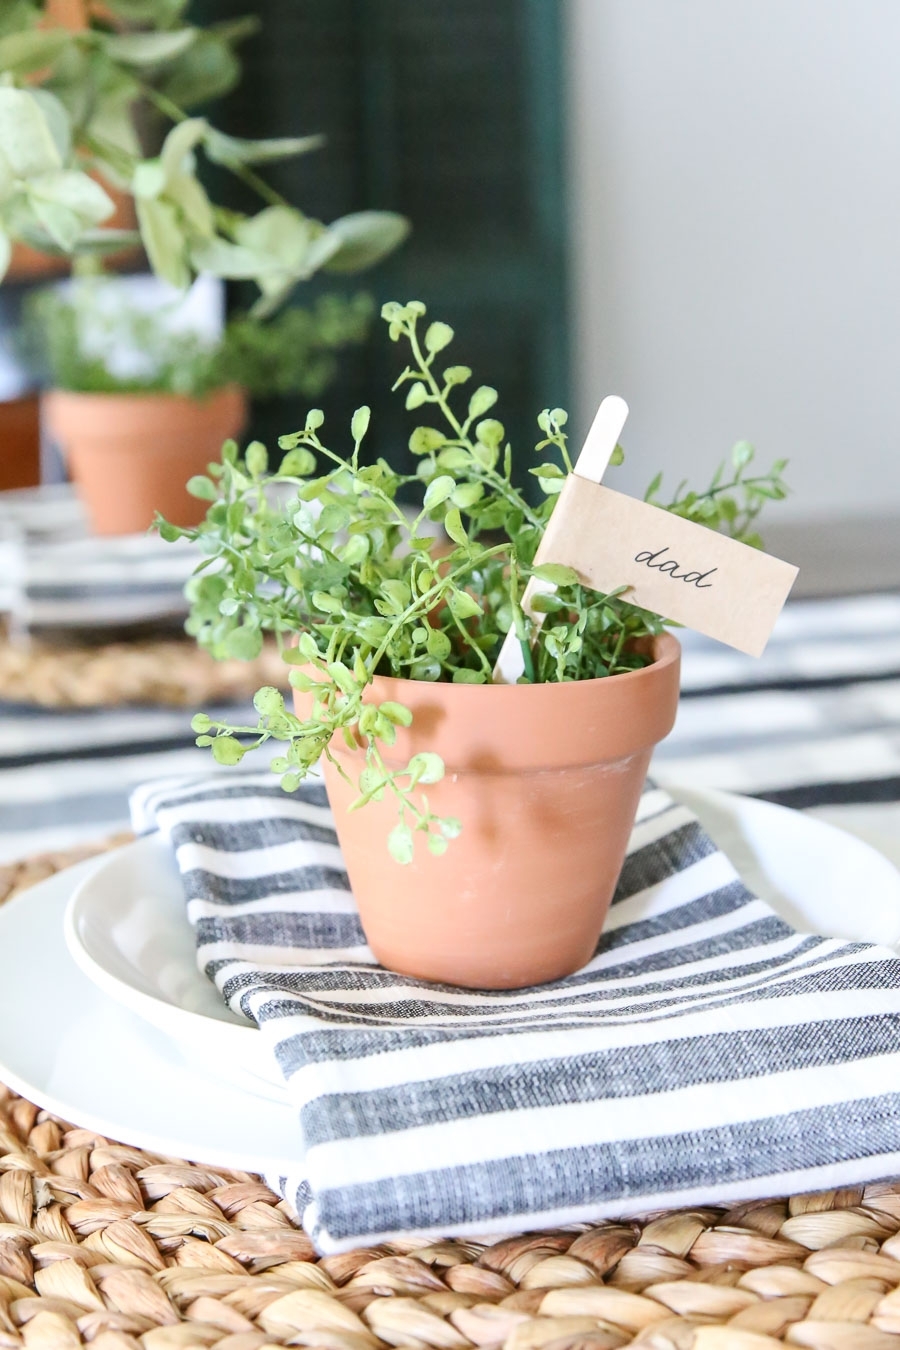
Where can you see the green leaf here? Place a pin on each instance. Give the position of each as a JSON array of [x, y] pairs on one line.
[[200, 722], [426, 767], [164, 241], [232, 150], [454, 460], [244, 643], [398, 595], [364, 238], [653, 488], [454, 527], [328, 604], [26, 138], [425, 670], [463, 606], [457, 375], [268, 702], [438, 490], [58, 119], [148, 49], [557, 574], [75, 192], [204, 72], [343, 677], [355, 551], [372, 630], [467, 494], [360, 423], [437, 644], [396, 713], [490, 432], [426, 439], [179, 144], [551, 486], [437, 845], [226, 750], [170, 533], [416, 395], [741, 454], [400, 844], [202, 487], [257, 458], [298, 463], [33, 49], [464, 676], [232, 262], [484, 398], [437, 337]]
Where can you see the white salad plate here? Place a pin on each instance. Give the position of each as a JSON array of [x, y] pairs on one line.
[[126, 928], [140, 1051]]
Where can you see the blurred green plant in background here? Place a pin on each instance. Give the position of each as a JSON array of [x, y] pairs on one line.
[[79, 104]]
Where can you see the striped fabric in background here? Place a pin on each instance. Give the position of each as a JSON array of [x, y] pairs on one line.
[[814, 724], [54, 575], [708, 1052]]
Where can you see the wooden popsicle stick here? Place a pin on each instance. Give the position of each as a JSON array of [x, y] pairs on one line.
[[591, 464]]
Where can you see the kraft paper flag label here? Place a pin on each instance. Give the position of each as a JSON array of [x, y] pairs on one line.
[[674, 567]]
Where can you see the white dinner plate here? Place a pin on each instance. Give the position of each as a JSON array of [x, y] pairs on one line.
[[68, 1045], [127, 930]]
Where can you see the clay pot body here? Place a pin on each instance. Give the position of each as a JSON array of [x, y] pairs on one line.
[[130, 455], [546, 781]]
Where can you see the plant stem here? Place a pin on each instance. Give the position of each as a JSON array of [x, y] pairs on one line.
[[247, 175]]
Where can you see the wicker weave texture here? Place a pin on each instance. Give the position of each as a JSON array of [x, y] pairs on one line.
[[169, 671], [111, 1246]]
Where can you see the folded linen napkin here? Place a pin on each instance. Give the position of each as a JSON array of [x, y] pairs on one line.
[[53, 574], [708, 1052]]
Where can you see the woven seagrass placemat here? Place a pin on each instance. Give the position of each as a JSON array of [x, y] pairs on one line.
[[107, 1245], [169, 671]]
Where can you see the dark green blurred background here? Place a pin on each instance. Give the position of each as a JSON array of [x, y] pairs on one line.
[[450, 113]]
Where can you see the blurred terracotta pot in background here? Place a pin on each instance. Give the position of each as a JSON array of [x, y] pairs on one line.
[[546, 780], [130, 455], [20, 443]]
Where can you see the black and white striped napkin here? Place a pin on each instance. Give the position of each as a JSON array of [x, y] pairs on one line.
[[707, 1052], [54, 574]]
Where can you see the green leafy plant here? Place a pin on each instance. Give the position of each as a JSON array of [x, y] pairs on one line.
[[76, 338], [353, 585], [72, 105]]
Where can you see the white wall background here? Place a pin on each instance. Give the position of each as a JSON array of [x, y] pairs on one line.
[[736, 237]]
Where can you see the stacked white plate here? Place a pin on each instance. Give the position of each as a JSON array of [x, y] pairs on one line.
[[106, 1019]]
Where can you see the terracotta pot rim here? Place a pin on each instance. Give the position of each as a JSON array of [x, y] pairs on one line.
[[533, 726], [665, 644], [143, 395]]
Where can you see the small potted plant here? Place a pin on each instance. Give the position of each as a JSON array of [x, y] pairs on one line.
[[508, 806], [138, 400], [95, 104]]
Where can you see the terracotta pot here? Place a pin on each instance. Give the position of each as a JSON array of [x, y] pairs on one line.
[[546, 780], [20, 440], [29, 264], [131, 454]]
